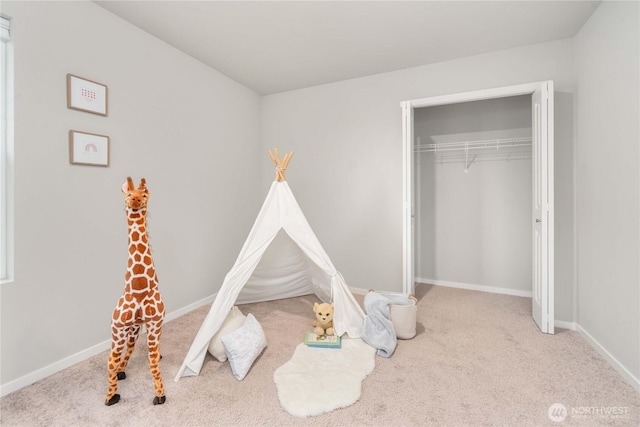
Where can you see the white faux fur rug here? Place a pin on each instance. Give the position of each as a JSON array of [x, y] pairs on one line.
[[318, 380]]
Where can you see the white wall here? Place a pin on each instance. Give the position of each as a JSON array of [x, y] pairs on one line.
[[473, 225], [347, 171], [192, 132], [608, 181]]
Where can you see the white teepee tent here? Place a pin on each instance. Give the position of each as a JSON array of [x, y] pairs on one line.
[[281, 258]]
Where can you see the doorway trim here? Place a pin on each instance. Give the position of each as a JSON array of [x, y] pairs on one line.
[[543, 292]]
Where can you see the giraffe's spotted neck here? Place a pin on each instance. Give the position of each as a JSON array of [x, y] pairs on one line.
[[140, 275], [137, 223]]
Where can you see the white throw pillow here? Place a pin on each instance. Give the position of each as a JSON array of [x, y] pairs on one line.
[[234, 320], [244, 345]]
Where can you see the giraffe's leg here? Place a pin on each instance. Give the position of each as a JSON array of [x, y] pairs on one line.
[[132, 337], [153, 339], [117, 346]]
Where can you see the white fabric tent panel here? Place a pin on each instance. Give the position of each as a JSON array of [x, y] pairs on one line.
[[283, 272]]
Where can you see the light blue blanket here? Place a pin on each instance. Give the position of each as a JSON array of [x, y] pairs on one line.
[[378, 330]]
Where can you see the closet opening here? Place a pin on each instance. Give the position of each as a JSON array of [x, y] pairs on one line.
[[472, 195], [479, 193]]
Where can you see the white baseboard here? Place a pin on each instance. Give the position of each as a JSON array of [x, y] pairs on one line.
[[189, 308], [635, 382], [473, 287], [60, 365]]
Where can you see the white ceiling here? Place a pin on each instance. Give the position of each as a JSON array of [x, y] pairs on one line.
[[273, 46]]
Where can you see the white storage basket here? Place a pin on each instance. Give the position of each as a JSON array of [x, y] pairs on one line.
[[403, 311]]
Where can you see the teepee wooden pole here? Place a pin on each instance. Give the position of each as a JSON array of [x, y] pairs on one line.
[[287, 159], [273, 159], [280, 164]]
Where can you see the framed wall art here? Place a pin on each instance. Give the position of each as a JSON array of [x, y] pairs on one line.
[[88, 149], [86, 95]]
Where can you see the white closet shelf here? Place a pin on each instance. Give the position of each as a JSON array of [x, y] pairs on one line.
[[494, 149], [480, 157], [474, 145]]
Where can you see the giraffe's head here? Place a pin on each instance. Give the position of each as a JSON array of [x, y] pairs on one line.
[[135, 198]]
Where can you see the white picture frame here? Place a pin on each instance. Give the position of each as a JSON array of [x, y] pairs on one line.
[[87, 95], [88, 149]]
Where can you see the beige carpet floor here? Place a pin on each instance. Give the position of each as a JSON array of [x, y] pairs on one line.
[[477, 360]]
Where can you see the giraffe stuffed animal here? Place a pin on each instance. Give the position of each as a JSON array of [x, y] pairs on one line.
[[140, 303]]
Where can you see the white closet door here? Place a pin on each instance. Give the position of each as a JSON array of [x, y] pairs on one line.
[[542, 217]]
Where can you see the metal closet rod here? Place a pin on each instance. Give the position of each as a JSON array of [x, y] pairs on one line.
[[474, 145]]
